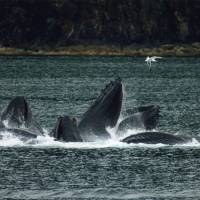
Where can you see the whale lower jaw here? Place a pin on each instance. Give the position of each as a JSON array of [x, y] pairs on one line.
[[156, 138], [105, 111]]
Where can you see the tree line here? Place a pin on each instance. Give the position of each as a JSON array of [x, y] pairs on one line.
[[57, 23]]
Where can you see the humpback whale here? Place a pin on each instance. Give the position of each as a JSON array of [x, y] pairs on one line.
[[146, 117], [18, 115], [104, 112], [66, 129], [17, 119], [156, 138]]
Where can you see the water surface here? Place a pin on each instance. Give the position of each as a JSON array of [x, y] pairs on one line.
[[110, 170]]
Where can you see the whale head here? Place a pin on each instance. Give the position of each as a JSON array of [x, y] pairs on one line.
[[66, 130], [19, 115], [105, 110], [17, 112], [146, 117], [150, 116], [109, 103]]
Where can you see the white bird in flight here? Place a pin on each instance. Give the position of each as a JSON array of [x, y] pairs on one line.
[[151, 59]]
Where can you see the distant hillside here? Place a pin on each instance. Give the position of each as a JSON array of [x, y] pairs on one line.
[[56, 23]]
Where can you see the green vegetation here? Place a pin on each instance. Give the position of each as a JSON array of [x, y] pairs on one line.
[[99, 27]]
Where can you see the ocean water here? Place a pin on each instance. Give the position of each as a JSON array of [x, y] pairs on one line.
[[54, 86]]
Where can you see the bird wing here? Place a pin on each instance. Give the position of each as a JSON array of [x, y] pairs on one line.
[[155, 57]]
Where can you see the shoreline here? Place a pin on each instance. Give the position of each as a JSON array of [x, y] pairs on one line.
[[187, 50]]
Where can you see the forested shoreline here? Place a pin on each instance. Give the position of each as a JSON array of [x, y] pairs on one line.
[[64, 25]]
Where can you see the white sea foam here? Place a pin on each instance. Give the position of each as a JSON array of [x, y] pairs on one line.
[[9, 140], [193, 143], [5, 122], [129, 132]]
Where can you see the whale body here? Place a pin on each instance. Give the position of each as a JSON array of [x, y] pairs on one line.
[[157, 138]]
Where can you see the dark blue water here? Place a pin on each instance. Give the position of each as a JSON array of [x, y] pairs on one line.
[[67, 86]]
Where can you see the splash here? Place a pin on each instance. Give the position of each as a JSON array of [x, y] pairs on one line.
[[5, 123], [9, 140], [129, 132], [193, 143]]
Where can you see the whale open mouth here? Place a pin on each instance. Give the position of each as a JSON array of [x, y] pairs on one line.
[[112, 102], [107, 106], [17, 112], [66, 130], [18, 115], [151, 116], [104, 111]]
